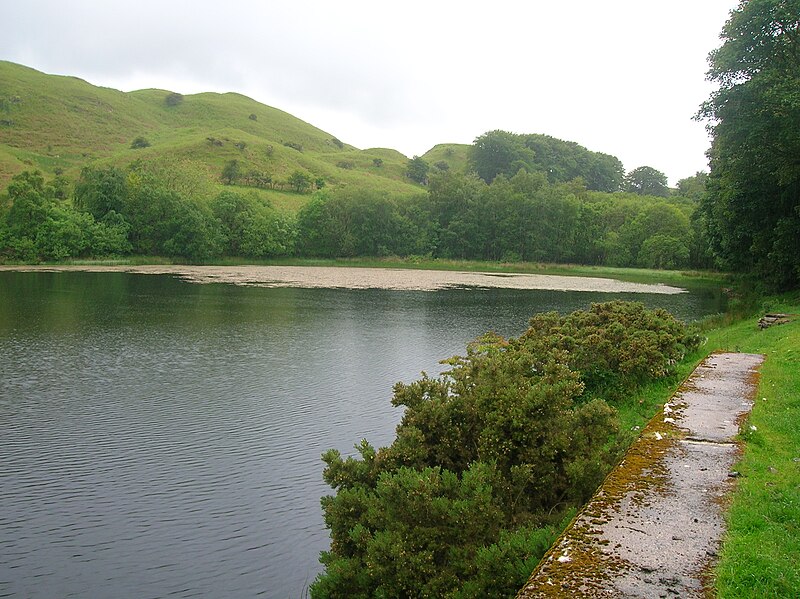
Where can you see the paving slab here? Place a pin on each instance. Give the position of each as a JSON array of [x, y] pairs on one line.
[[654, 527]]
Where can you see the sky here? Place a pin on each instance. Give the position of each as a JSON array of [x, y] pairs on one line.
[[624, 77]]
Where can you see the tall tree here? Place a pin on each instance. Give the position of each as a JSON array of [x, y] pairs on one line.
[[417, 170], [752, 208], [645, 180]]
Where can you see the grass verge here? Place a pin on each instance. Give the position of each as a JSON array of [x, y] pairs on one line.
[[761, 552]]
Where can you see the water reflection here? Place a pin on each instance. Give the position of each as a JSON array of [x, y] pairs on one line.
[[163, 438]]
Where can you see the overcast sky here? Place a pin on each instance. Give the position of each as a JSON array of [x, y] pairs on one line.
[[623, 77]]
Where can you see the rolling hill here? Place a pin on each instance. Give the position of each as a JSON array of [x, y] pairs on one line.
[[60, 124]]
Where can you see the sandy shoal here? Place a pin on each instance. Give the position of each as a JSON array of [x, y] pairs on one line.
[[366, 278]]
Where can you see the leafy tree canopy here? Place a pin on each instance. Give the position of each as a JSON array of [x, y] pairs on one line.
[[645, 180], [417, 170], [751, 212], [502, 153]]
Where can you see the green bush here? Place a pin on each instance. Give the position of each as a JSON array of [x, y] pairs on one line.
[[140, 142], [488, 454]]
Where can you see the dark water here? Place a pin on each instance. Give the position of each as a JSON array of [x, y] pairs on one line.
[[162, 439]]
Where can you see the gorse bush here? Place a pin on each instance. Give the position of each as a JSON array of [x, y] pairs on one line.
[[489, 455], [616, 346]]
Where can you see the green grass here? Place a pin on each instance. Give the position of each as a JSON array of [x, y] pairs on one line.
[[455, 155], [66, 123], [761, 553], [760, 556]]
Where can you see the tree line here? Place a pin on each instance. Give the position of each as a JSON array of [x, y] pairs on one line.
[[522, 218], [751, 211], [152, 209]]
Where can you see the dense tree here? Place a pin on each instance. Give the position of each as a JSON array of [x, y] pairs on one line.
[[357, 223], [101, 190], [752, 208], [693, 187], [645, 180], [140, 142], [417, 170], [503, 153], [173, 99], [500, 152], [41, 225]]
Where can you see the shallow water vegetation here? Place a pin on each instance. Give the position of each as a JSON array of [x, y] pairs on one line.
[[490, 456]]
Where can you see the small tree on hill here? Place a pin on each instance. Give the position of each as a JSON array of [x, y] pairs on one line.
[[300, 181], [140, 142], [173, 99], [417, 170], [231, 172]]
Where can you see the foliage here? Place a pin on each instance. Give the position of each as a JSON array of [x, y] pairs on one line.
[[252, 228], [751, 212], [140, 142], [353, 223], [300, 181], [173, 99], [518, 219], [515, 430], [693, 187], [645, 180], [417, 170], [616, 346], [502, 153], [231, 172], [41, 226]]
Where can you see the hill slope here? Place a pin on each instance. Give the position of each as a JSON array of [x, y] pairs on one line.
[[60, 124]]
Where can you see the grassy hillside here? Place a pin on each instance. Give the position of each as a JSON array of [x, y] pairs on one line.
[[456, 156], [61, 124]]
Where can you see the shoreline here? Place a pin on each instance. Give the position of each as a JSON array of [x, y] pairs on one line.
[[344, 277]]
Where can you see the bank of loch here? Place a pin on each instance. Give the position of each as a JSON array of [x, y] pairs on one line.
[[656, 524]]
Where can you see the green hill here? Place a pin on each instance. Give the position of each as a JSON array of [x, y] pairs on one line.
[[60, 124]]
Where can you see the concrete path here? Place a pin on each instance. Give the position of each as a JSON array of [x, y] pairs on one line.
[[654, 527]]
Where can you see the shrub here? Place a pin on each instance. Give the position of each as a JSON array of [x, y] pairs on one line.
[[615, 346], [140, 142], [173, 99], [458, 505]]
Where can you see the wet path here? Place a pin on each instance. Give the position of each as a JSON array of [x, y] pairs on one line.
[[654, 527]]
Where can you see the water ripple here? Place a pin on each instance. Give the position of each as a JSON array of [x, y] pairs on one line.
[[162, 439]]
